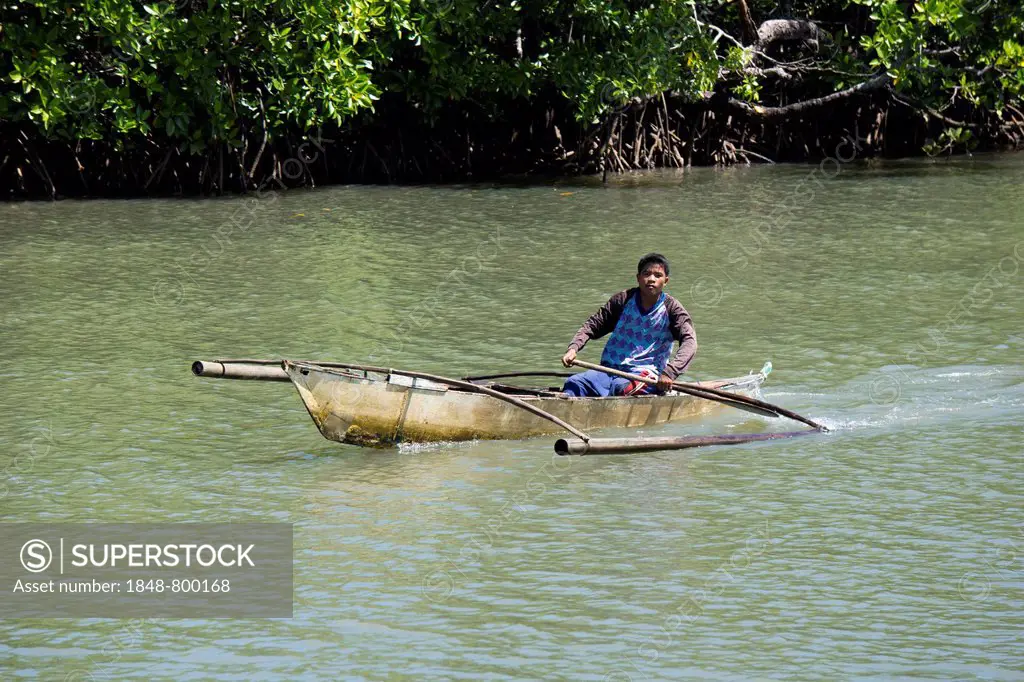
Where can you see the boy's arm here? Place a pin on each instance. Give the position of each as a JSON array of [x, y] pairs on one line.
[[683, 332], [602, 322]]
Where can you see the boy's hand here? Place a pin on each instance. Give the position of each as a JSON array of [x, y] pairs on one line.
[[569, 357], [664, 383]]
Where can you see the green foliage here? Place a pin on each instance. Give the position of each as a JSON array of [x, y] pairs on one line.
[[201, 72], [949, 140], [942, 50], [85, 70]]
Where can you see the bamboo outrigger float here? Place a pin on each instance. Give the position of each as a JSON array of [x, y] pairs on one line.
[[381, 407]]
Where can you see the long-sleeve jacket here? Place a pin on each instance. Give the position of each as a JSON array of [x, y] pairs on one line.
[[604, 320]]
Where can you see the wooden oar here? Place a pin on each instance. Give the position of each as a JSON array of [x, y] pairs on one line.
[[741, 402], [700, 392]]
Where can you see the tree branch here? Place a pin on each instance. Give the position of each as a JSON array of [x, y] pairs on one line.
[[749, 30], [777, 71], [797, 108], [925, 109]]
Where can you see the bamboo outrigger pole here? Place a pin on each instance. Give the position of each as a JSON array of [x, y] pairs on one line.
[[231, 369], [616, 446]]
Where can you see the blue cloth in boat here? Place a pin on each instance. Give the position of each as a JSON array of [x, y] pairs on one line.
[[594, 384]]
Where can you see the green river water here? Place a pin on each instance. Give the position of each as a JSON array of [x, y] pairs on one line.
[[889, 296]]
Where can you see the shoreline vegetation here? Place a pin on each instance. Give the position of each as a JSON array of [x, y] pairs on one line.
[[204, 97]]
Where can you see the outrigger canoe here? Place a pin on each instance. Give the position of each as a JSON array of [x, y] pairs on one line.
[[381, 407]]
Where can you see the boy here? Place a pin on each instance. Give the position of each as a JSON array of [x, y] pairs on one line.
[[644, 323]]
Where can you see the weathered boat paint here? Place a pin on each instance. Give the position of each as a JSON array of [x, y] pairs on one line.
[[382, 409]]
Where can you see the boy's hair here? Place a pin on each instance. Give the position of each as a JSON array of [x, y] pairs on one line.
[[652, 259]]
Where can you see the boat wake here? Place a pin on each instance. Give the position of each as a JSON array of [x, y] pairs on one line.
[[416, 448], [912, 397]]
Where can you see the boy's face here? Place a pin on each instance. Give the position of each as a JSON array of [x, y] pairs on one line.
[[652, 280]]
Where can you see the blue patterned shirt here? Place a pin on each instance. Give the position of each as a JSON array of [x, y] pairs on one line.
[[641, 341]]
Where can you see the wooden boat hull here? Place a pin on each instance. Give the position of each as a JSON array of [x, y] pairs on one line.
[[380, 409]]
